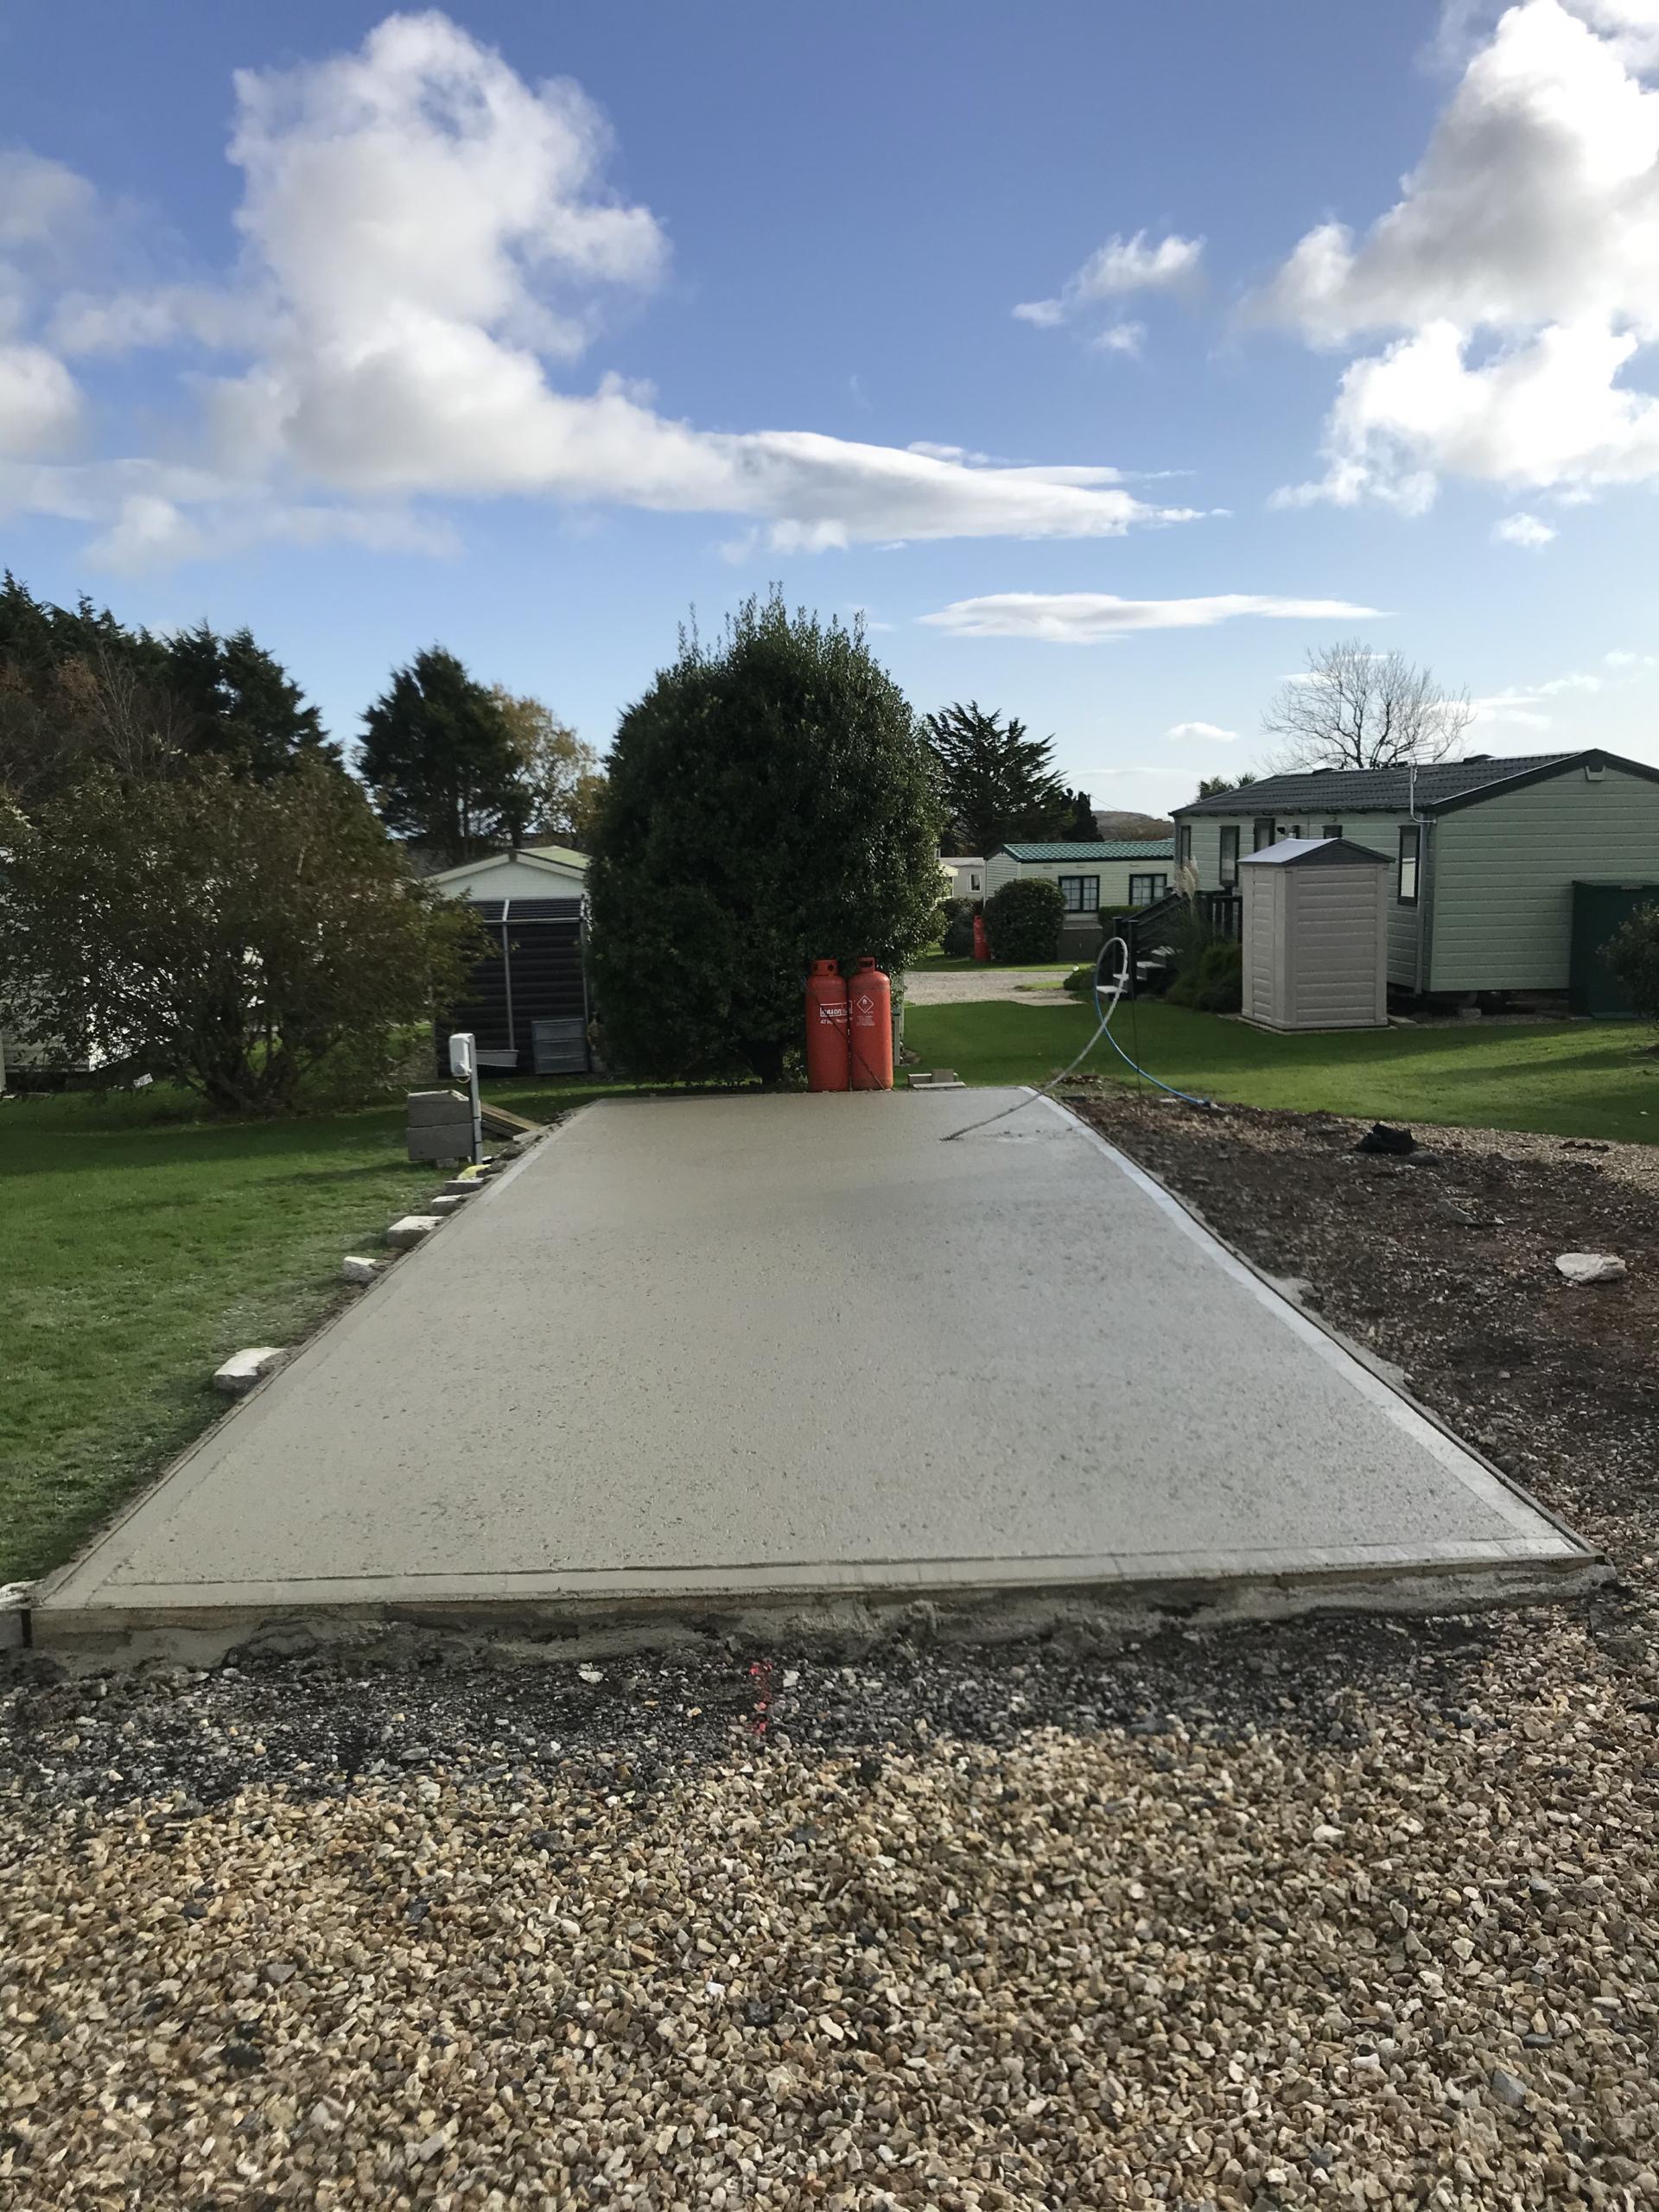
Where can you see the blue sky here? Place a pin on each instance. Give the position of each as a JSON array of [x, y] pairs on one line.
[[526, 328]]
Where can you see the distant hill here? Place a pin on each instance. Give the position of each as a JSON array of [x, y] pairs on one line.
[[1111, 822]]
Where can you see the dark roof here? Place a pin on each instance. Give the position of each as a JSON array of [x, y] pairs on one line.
[[1440, 784], [1315, 852], [1115, 850]]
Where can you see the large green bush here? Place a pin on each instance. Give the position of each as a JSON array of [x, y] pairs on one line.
[[1632, 953], [770, 802], [1023, 919]]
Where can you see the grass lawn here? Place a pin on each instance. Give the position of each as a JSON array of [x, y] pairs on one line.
[[1576, 1078], [142, 1248]]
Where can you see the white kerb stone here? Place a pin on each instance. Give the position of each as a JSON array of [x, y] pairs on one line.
[[413, 1227], [355, 1268], [451, 1202], [1590, 1266], [242, 1369]]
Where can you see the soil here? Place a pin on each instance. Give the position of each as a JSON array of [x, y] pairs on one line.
[[1441, 1262]]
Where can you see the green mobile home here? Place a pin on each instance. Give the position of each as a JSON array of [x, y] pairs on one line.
[[1489, 857]]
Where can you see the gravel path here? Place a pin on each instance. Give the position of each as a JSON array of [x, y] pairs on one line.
[[922, 987], [1341, 1914]]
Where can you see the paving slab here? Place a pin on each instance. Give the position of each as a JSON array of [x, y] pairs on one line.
[[697, 1360]]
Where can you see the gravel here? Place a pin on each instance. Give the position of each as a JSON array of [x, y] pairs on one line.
[[1343, 1913]]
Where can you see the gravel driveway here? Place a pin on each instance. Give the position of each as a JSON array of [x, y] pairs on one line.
[[924, 987], [1341, 1914]]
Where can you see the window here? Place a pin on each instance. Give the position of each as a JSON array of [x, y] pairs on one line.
[[1229, 855], [973, 883], [1331, 830], [1144, 889], [1183, 844], [1265, 835], [1081, 893], [1406, 879]]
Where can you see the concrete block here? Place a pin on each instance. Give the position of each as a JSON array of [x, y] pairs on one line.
[[428, 1106], [242, 1369], [355, 1268], [451, 1200], [462, 1185], [413, 1227], [441, 1140]]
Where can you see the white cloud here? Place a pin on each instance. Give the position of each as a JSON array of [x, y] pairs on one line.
[[1527, 706], [1518, 273], [1620, 657], [44, 207], [1120, 338], [1208, 730], [1530, 531], [1084, 617], [40, 404], [424, 231], [1120, 266]]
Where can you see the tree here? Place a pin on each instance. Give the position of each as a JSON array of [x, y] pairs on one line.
[[1632, 953], [998, 785], [237, 701], [79, 691], [440, 760], [1356, 709], [1079, 817], [226, 933], [770, 802], [561, 775], [1209, 787]]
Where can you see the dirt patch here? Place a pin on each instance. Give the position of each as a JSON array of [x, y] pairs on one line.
[[1443, 1262]]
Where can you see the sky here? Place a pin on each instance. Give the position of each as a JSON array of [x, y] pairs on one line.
[[1107, 358]]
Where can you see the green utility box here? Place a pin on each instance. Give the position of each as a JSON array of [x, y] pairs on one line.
[[1598, 907]]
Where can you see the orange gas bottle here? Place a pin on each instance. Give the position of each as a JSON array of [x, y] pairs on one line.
[[981, 941], [869, 1009], [826, 1027]]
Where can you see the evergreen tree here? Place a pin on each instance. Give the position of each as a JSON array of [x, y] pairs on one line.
[[769, 802], [239, 703], [438, 756], [1079, 819], [998, 784]]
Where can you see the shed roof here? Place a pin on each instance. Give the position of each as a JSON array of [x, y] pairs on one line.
[[1315, 852], [1162, 848], [1441, 784]]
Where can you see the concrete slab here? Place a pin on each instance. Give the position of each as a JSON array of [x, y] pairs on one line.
[[704, 1361]]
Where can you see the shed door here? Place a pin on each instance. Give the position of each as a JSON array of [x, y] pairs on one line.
[[1598, 910]]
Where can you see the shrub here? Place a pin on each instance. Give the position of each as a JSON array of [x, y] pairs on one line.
[[1023, 919], [769, 803], [1632, 953], [1081, 981], [1213, 982]]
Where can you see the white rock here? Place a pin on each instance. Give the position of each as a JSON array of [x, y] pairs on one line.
[[355, 1268], [413, 1227], [1590, 1266], [242, 1369]]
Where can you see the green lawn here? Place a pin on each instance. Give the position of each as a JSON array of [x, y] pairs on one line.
[[1576, 1078], [142, 1247]]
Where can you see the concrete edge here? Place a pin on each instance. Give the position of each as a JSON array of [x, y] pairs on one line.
[[397, 1258], [610, 1622], [1389, 1377]]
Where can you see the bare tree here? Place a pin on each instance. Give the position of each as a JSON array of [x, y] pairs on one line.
[[1358, 709]]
